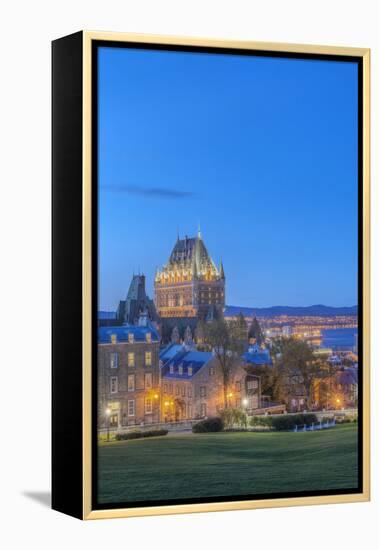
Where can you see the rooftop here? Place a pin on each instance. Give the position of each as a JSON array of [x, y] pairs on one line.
[[176, 356], [122, 333], [257, 357], [192, 255]]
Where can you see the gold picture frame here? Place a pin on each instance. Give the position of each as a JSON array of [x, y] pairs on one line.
[[84, 509]]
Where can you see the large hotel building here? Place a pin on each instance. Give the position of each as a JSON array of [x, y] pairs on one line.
[[190, 285]]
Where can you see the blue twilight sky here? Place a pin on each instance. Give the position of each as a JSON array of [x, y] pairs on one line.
[[261, 151]]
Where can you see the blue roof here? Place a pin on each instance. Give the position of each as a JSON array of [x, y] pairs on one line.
[[257, 357], [186, 359], [170, 351], [122, 333]]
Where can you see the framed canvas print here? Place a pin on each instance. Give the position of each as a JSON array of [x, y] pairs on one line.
[[210, 275]]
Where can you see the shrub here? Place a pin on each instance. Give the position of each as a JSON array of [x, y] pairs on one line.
[[234, 417], [265, 421], [346, 419], [140, 434], [214, 424]]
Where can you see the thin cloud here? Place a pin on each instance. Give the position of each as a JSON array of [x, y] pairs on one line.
[[150, 192]]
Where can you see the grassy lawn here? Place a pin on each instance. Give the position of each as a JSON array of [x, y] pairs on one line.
[[204, 465]]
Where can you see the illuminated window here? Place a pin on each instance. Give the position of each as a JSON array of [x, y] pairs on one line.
[[148, 406], [130, 338], [181, 369], [148, 358], [113, 338], [114, 360], [114, 384], [148, 380], [189, 371], [131, 382], [203, 409], [131, 359], [131, 407], [252, 384], [148, 337]]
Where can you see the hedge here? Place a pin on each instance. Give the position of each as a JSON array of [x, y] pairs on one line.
[[214, 424], [289, 421], [140, 434], [284, 422]]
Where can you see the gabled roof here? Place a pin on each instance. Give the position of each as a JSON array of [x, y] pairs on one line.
[[170, 351], [122, 333], [185, 359]]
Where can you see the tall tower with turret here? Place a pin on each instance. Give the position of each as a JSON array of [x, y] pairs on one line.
[[190, 285]]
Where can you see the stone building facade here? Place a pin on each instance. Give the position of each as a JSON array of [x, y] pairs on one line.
[[128, 375], [192, 385], [189, 285]]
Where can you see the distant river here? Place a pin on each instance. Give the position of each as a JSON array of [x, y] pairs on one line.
[[339, 338]]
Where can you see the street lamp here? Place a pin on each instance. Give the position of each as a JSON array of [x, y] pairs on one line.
[[245, 402], [156, 397], [108, 416], [230, 395]]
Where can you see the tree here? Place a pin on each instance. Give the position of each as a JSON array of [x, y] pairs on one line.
[[241, 327], [271, 381], [255, 332], [297, 365], [224, 339]]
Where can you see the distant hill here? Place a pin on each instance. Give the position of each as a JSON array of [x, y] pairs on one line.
[[315, 311], [230, 311]]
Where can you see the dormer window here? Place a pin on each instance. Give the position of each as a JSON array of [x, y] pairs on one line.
[[189, 371], [171, 369], [114, 338], [148, 337], [131, 338], [181, 369]]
